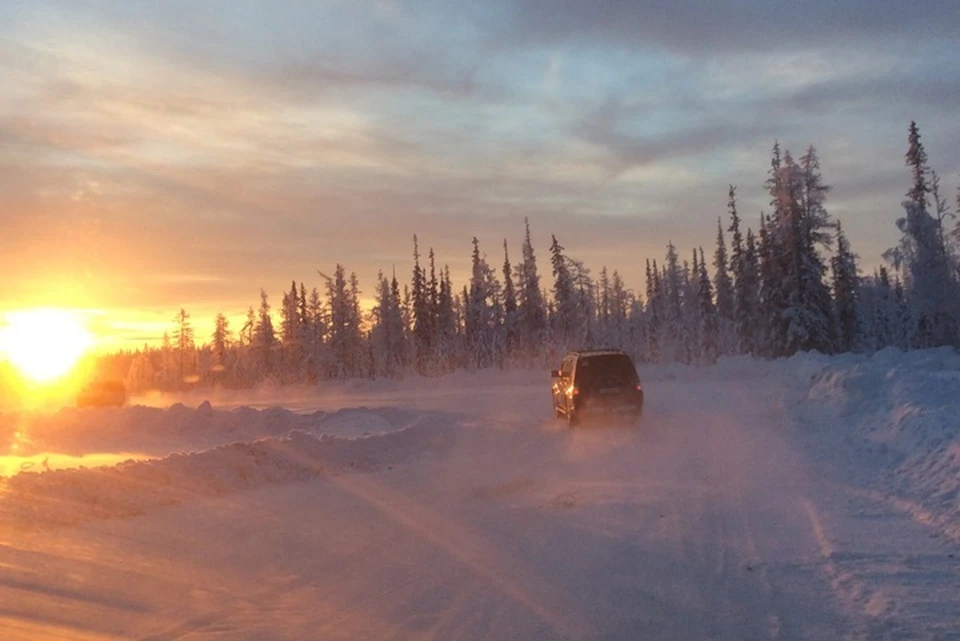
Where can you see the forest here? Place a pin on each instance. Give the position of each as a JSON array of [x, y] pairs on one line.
[[787, 283]]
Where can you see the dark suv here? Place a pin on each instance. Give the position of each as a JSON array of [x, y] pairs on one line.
[[102, 394], [596, 382]]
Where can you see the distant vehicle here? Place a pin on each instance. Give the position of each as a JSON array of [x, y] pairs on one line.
[[102, 394], [596, 382]]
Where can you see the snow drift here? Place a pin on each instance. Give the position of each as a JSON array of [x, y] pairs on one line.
[[62, 497], [901, 411], [158, 432]]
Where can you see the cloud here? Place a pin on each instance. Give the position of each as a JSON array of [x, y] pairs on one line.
[[166, 154], [694, 27]]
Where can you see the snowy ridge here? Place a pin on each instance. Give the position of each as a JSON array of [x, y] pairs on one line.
[[63, 497], [158, 432], [901, 410]]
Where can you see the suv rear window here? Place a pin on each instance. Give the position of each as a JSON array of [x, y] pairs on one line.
[[590, 368]]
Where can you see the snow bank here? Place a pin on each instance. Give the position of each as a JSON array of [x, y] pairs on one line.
[[158, 432], [62, 497], [902, 411]]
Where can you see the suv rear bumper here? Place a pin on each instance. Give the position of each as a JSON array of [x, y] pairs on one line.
[[632, 404]]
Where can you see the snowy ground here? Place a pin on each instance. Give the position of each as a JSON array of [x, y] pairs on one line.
[[813, 498]]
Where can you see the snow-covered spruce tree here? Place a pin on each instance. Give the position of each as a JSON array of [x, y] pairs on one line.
[[846, 295], [877, 310], [690, 327], [708, 315], [346, 342], [799, 223], [319, 356], [954, 241], [943, 214], [422, 314], [433, 301], [886, 311], [903, 320], [482, 313], [672, 344], [305, 336], [531, 307], [381, 339], [725, 305], [748, 293], [399, 328], [291, 350], [264, 338], [931, 286], [619, 315], [655, 313], [638, 332], [563, 320], [768, 321], [183, 339], [603, 295], [246, 365], [446, 324], [585, 305], [221, 344], [360, 348], [510, 312], [744, 300]]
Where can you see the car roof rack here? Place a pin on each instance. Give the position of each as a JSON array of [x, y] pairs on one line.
[[594, 352]]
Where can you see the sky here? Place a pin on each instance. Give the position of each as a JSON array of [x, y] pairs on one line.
[[185, 154]]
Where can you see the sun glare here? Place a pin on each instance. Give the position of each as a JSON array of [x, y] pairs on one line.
[[44, 344]]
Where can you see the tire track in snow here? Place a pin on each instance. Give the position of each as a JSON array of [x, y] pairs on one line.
[[849, 591], [774, 624]]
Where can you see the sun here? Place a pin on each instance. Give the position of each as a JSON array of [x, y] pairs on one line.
[[44, 344]]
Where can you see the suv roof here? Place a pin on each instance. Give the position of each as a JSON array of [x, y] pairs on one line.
[[596, 352]]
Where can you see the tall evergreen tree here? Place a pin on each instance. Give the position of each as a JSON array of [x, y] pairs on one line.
[[673, 346], [846, 295], [246, 332], [620, 306], [769, 323], [482, 308], [709, 320], [654, 311], [264, 336], [748, 298], [724, 285], [510, 314], [446, 324], [531, 308], [290, 333], [932, 288], [916, 160], [183, 337], [799, 223], [221, 341], [564, 320], [342, 324], [422, 314]]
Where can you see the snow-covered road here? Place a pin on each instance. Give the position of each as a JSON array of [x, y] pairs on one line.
[[728, 514]]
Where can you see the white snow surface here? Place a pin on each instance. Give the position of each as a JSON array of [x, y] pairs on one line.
[[807, 498]]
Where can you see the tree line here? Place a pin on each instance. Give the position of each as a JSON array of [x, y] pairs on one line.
[[792, 285]]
